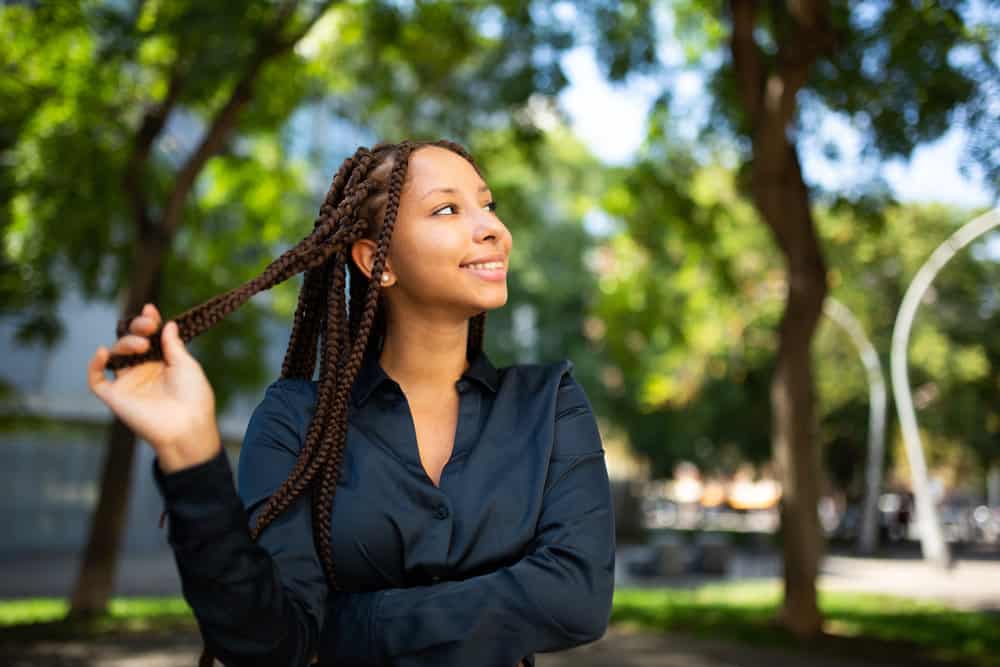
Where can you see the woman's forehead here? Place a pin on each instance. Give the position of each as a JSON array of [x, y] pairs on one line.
[[432, 167]]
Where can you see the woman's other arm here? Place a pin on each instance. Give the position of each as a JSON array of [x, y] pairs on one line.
[[556, 597]]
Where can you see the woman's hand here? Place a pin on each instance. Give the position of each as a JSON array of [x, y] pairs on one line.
[[169, 404]]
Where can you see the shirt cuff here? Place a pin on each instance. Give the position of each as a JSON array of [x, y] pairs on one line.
[[355, 622], [201, 500]]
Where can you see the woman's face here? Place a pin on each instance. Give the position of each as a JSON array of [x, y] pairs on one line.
[[445, 223]]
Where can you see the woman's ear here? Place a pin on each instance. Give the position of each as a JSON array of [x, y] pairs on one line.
[[363, 254]]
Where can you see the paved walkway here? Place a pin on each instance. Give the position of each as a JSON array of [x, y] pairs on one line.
[[970, 584], [618, 648], [974, 583]]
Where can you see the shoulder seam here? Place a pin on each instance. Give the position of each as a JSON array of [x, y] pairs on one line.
[[282, 394]]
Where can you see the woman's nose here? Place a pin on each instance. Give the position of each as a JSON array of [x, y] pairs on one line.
[[487, 224]]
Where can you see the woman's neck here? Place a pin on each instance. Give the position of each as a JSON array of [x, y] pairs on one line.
[[426, 358]]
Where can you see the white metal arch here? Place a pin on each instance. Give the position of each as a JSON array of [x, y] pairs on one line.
[[842, 317], [932, 542]]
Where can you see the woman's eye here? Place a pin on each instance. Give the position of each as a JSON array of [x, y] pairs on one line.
[[490, 206]]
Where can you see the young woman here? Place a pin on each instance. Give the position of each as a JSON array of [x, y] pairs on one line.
[[414, 505]]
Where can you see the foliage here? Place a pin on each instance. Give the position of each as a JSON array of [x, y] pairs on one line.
[[675, 298], [688, 386], [953, 357], [681, 316], [84, 83]]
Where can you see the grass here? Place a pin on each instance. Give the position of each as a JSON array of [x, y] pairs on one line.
[[44, 618], [859, 625]]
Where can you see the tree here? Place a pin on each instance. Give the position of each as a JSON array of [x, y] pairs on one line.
[[115, 78], [690, 386], [902, 72]]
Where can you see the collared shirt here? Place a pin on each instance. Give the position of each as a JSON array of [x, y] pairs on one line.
[[511, 555]]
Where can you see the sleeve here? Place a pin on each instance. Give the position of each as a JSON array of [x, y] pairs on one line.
[[256, 603], [556, 597]]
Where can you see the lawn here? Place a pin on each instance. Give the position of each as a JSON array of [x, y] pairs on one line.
[[42, 618], [861, 625]]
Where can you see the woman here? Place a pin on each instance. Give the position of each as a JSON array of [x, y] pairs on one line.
[[414, 505]]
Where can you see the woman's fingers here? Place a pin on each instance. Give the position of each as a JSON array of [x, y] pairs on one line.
[[147, 322], [98, 383], [150, 311], [136, 341], [130, 344], [141, 325]]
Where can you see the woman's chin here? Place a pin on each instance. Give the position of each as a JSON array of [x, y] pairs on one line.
[[491, 303]]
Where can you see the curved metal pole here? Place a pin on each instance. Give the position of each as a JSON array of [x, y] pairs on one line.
[[932, 542], [842, 316]]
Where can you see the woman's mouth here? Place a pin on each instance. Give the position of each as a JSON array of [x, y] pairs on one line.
[[493, 271]]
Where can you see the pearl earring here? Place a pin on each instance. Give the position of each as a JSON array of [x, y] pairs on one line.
[[385, 278]]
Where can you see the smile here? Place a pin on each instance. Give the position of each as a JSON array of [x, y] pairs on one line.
[[493, 271]]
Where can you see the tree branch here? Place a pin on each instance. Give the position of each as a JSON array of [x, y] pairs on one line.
[[812, 37], [746, 56], [270, 45], [152, 124]]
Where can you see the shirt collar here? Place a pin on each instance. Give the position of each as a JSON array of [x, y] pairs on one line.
[[371, 374]]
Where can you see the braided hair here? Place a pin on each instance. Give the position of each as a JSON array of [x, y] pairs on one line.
[[362, 202]]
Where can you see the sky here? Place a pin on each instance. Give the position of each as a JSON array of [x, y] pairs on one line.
[[931, 174]]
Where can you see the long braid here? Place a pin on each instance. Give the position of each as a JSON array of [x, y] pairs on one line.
[[323, 502], [330, 325], [299, 360]]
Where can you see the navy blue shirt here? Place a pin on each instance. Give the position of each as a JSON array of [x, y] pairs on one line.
[[512, 554]]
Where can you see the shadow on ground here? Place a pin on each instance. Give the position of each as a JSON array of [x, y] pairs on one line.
[[620, 647]]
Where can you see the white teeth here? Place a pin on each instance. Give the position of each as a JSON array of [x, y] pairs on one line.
[[486, 265]]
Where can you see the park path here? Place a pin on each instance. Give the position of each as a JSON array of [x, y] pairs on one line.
[[974, 582], [618, 648]]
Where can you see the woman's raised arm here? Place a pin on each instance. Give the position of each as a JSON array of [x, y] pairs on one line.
[[255, 602]]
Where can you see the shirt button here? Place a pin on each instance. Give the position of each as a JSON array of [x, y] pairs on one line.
[[435, 578], [441, 511]]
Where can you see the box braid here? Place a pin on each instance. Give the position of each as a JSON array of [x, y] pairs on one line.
[[362, 202]]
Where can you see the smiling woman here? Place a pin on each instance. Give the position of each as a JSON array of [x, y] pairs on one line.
[[414, 504]]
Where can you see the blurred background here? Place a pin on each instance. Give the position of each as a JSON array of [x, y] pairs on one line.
[[717, 209]]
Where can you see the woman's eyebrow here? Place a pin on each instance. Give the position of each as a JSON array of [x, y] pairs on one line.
[[482, 188]]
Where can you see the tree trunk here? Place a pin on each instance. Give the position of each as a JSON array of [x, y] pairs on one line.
[[781, 197], [95, 578], [96, 575], [767, 88]]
